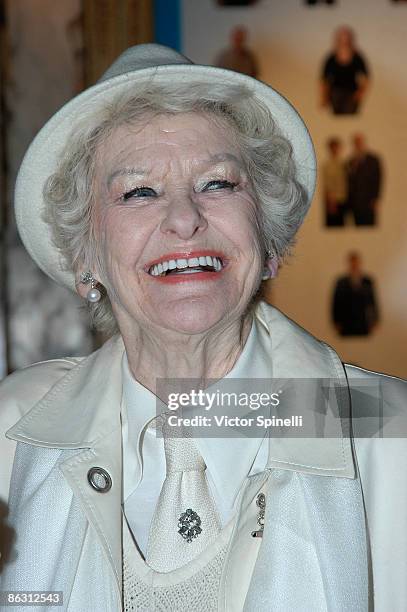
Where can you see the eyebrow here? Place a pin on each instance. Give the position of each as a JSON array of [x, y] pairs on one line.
[[125, 172], [221, 157], [214, 159]]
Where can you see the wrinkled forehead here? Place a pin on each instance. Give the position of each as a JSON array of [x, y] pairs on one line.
[[193, 138]]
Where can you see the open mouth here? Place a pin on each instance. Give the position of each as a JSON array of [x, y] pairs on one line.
[[192, 265]]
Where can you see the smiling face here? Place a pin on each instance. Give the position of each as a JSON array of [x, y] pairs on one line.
[[177, 222]]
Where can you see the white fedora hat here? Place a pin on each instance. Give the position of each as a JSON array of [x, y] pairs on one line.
[[135, 66]]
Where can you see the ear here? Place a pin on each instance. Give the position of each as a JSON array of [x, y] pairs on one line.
[[270, 268], [272, 264]]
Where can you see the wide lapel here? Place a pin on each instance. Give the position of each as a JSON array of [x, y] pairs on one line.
[[83, 411], [300, 360]]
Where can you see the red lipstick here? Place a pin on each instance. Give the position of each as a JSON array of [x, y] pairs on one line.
[[183, 277], [187, 254]]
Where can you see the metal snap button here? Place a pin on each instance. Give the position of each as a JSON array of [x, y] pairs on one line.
[[99, 479]]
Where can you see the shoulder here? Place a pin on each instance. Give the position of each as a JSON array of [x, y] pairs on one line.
[[19, 392], [379, 424], [356, 373], [25, 387], [223, 56], [379, 404], [329, 62], [342, 282], [373, 158], [359, 60]]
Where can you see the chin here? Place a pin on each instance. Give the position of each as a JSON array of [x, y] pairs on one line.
[[193, 316]]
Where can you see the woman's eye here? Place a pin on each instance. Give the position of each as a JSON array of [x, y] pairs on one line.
[[139, 192], [215, 185]]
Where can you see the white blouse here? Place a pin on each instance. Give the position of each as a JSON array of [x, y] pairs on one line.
[[228, 461]]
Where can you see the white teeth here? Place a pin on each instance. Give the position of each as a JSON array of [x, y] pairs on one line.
[[216, 264], [182, 263], [192, 262]]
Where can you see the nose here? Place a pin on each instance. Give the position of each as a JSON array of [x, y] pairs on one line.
[[183, 217]]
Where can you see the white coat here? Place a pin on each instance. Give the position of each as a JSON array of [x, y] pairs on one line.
[[68, 536]]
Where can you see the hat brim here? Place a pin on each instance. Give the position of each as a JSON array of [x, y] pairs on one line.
[[43, 155]]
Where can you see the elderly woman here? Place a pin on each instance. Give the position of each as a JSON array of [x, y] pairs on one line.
[[165, 194]]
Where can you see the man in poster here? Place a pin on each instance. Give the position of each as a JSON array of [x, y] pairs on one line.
[[354, 305], [364, 182]]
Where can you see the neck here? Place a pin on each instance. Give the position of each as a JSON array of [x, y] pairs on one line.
[[167, 354]]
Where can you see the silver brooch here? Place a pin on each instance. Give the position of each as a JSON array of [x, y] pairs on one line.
[[261, 504], [189, 525]]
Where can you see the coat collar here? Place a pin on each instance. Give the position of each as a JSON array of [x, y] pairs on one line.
[[84, 406], [298, 355], [77, 411]]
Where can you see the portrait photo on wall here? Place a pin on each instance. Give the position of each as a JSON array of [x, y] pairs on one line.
[[237, 55], [354, 307], [352, 184], [344, 75]]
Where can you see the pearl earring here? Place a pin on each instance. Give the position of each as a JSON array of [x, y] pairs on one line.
[[93, 294]]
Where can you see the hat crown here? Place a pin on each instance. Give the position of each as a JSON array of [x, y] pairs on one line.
[[144, 56]]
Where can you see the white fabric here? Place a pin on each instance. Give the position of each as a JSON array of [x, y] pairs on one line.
[[308, 517], [185, 488], [193, 587], [56, 547], [76, 407], [228, 461]]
